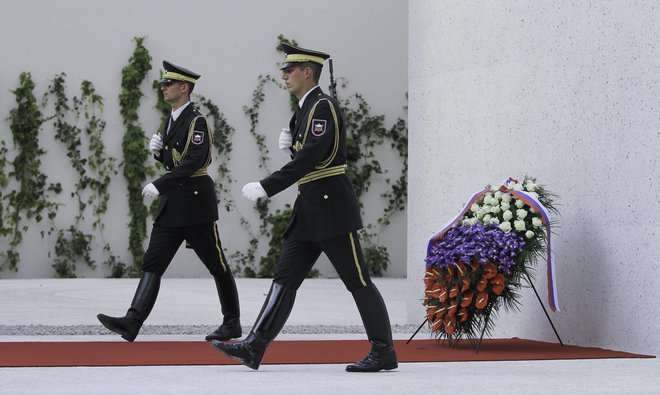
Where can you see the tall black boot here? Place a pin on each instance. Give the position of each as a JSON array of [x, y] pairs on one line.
[[143, 301], [377, 325], [231, 323], [270, 321]]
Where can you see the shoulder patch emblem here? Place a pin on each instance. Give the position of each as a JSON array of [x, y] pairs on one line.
[[318, 127], [197, 137]]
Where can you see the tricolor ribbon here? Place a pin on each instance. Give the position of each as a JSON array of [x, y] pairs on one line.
[[532, 201]]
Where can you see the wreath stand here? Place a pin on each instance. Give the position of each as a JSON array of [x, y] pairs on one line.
[[529, 281]]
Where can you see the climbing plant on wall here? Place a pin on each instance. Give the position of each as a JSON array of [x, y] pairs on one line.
[[30, 199], [135, 166], [86, 152]]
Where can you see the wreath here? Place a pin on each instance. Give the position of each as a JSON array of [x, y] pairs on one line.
[[475, 265]]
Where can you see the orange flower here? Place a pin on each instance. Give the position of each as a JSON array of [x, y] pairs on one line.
[[449, 273], [482, 300], [463, 315], [442, 296], [481, 285], [466, 284], [462, 270], [497, 283], [451, 309], [467, 299], [436, 325], [450, 325], [490, 270], [430, 313]]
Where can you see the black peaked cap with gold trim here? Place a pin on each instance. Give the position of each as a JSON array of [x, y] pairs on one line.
[[177, 73], [300, 55]]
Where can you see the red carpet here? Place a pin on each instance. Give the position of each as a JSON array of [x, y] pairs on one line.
[[42, 354]]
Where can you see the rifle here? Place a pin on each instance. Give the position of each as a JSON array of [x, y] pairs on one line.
[[333, 83]]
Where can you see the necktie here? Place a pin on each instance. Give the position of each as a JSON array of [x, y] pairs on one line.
[[169, 125]]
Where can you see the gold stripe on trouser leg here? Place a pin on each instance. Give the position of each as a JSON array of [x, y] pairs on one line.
[[357, 262], [217, 247]]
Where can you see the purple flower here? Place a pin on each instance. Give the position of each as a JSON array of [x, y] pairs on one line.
[[477, 242]]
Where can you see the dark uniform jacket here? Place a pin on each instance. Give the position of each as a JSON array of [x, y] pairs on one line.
[[326, 205], [187, 193]]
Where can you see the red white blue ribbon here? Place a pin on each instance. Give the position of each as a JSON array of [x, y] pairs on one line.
[[532, 201]]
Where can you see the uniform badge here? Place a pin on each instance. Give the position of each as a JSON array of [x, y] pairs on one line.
[[318, 127], [197, 137]]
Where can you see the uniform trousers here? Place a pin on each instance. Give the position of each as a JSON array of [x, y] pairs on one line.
[[344, 252], [203, 239]]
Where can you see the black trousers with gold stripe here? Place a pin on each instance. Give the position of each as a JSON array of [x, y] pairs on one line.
[[344, 252], [204, 240]]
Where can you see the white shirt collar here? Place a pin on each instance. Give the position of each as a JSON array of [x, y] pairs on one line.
[[302, 100], [175, 114]]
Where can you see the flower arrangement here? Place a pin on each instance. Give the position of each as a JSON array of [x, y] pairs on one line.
[[475, 264]]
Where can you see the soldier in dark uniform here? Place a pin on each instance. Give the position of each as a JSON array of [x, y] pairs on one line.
[[187, 212], [325, 218]]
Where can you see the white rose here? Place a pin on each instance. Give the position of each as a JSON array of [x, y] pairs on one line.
[[529, 234], [520, 203], [505, 226], [507, 215], [514, 186], [498, 195], [522, 213], [486, 218], [506, 197], [530, 186], [494, 220], [519, 225], [505, 206], [536, 221], [475, 207], [487, 198], [495, 209]]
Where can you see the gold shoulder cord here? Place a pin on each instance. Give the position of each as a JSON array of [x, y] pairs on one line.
[[335, 147], [178, 157]]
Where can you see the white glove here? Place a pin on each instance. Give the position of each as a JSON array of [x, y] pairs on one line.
[[156, 144], [150, 191], [286, 140], [253, 191]]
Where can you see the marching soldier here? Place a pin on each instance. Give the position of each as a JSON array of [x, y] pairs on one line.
[[187, 210], [325, 218]]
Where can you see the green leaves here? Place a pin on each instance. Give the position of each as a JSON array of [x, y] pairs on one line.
[[135, 167]]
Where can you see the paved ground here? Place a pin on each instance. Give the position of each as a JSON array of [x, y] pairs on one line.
[[65, 310]]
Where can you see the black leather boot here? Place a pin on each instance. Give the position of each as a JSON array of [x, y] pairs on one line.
[[377, 325], [143, 301], [270, 321], [231, 324]]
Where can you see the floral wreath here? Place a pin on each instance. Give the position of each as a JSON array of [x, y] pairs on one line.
[[475, 263]]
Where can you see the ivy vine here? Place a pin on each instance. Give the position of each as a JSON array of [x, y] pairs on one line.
[[86, 152], [135, 165], [31, 197]]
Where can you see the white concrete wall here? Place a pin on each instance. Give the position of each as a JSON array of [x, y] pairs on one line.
[[567, 92], [229, 43]]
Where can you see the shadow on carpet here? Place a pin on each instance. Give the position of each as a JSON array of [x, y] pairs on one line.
[[158, 353]]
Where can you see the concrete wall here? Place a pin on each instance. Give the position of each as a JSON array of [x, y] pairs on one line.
[[564, 91], [229, 43]]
